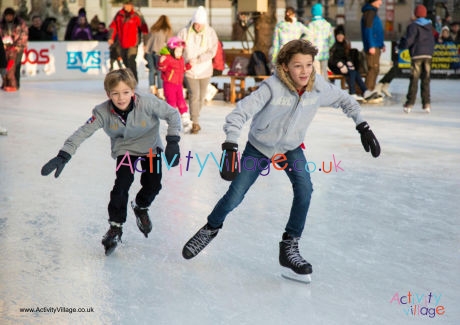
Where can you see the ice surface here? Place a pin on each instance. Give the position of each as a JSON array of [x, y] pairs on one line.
[[377, 230]]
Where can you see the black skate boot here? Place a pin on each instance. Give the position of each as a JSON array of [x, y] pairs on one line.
[[294, 265], [199, 241], [111, 238], [142, 219]]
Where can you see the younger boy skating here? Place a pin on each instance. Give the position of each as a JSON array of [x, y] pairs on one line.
[[132, 122]]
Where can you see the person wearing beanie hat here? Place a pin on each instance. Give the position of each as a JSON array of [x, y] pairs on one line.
[[201, 47], [420, 42], [317, 10], [420, 11], [373, 40], [341, 63], [321, 34], [287, 30]]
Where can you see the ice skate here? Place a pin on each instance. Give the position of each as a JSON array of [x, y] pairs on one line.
[[111, 238], [294, 267], [186, 123], [199, 241], [142, 219]]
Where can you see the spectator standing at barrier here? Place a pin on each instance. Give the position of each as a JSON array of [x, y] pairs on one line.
[[286, 31], [455, 31], [101, 34], [321, 34], [35, 29], [49, 29], [444, 36], [420, 42], [373, 40], [14, 33], [72, 23], [201, 46], [3, 130], [127, 26], [159, 34], [340, 62], [82, 30]]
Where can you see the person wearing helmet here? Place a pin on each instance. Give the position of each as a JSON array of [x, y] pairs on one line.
[[173, 67]]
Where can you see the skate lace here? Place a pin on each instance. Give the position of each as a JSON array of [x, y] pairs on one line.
[[113, 233], [293, 253], [200, 241]]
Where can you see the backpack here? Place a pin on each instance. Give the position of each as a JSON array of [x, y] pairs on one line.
[[258, 65]]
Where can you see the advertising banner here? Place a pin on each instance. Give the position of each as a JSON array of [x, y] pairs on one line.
[[70, 61]]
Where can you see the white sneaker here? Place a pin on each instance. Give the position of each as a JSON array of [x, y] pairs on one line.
[[357, 97], [427, 108]]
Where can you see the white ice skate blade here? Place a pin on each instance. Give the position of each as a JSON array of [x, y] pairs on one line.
[[291, 275]]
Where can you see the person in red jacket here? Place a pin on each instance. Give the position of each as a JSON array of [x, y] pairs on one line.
[[126, 26], [173, 67]]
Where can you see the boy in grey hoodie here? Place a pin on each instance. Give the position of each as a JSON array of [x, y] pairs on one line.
[[281, 109], [132, 121]]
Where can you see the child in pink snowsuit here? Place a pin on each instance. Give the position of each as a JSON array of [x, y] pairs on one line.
[[173, 67]]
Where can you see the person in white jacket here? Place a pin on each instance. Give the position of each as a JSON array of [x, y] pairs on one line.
[[201, 46]]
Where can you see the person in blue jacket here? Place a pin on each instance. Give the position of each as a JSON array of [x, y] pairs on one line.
[[373, 40], [281, 110]]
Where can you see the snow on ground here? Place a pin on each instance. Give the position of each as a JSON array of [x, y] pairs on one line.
[[376, 231]]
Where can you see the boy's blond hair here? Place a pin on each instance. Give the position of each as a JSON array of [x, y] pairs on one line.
[[113, 78]]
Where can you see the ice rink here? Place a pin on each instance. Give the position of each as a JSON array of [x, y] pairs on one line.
[[383, 235]]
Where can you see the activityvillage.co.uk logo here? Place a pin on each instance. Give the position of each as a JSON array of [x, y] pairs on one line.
[[262, 165], [419, 305]]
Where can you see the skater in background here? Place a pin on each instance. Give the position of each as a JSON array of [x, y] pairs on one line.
[[132, 121], [173, 67], [420, 42], [281, 110], [287, 30], [201, 40], [373, 40], [321, 34], [127, 27], [159, 34]]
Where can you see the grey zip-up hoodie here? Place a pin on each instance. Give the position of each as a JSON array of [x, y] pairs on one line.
[[140, 131], [280, 117]]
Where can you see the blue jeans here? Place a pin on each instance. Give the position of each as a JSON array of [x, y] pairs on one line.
[[299, 177], [154, 73]]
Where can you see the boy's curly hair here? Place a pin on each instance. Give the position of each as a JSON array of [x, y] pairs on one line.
[[113, 78], [295, 47]]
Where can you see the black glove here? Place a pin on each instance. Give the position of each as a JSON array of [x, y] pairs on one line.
[[230, 165], [57, 163], [368, 139], [172, 148]]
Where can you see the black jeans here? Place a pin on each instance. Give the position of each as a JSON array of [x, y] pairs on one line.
[[129, 59], [420, 69], [150, 181]]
